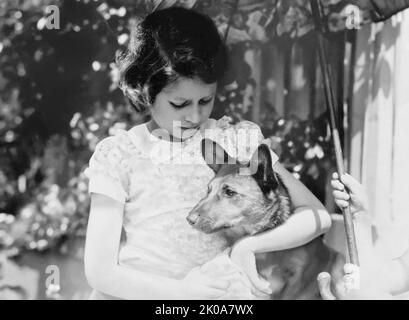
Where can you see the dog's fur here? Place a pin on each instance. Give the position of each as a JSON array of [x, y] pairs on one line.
[[247, 199]]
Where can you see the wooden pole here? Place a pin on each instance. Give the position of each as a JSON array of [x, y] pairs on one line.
[[233, 12], [330, 103]]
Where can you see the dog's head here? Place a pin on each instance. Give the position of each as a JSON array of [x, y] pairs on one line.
[[246, 198]]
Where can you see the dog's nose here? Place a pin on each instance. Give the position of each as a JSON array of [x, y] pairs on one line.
[[192, 218]]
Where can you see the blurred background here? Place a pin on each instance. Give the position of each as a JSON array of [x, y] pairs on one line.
[[59, 96]]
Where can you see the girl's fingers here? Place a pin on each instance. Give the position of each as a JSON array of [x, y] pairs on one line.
[[324, 284], [250, 268], [351, 282], [261, 285], [353, 185], [351, 277], [339, 195], [337, 185], [348, 281], [342, 203], [347, 181], [350, 268]]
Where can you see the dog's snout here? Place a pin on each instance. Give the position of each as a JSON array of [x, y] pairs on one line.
[[192, 218]]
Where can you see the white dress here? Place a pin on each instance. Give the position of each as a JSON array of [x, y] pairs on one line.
[[160, 182]]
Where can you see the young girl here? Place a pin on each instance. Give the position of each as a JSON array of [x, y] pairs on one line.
[[136, 181]]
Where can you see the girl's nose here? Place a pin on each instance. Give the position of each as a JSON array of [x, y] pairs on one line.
[[194, 115]]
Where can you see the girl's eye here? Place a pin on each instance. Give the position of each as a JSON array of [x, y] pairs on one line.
[[185, 104], [178, 106], [204, 102]]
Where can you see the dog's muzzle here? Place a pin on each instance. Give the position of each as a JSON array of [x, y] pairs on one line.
[[192, 218], [203, 224]]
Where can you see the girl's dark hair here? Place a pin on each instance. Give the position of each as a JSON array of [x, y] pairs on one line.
[[166, 45]]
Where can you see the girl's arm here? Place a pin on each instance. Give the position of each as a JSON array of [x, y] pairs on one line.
[[310, 219], [102, 270]]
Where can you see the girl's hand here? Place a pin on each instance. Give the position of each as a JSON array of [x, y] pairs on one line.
[[345, 290], [356, 199], [197, 286], [242, 255], [351, 286]]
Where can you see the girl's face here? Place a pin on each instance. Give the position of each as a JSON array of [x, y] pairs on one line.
[[182, 107]]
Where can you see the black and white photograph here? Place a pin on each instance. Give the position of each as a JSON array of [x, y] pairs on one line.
[[224, 150]]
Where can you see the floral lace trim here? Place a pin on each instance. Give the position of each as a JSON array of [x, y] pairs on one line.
[[101, 170], [111, 158], [115, 156]]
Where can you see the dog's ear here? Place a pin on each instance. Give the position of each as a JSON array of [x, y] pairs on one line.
[[214, 155], [261, 165]]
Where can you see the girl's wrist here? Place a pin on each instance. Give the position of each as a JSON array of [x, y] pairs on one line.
[[246, 244]]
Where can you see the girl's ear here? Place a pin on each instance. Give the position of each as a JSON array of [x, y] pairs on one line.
[[215, 156], [262, 169]]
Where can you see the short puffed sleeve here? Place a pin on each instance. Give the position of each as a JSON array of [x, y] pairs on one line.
[[240, 140], [106, 171]]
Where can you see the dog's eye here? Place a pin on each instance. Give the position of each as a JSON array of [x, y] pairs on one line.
[[229, 193]]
